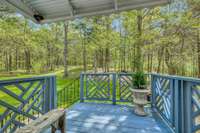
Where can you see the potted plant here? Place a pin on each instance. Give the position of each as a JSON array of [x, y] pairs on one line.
[[140, 92]]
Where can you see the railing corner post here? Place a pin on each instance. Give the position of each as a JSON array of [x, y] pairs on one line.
[[82, 87], [177, 106], [114, 88], [50, 96], [188, 107], [153, 92], [54, 92]]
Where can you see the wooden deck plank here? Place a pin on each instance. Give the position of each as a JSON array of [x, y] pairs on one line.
[[107, 118]]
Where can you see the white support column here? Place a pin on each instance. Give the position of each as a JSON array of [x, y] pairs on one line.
[[71, 7], [116, 4]]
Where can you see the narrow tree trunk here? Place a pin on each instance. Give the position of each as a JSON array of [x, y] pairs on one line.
[[16, 58], [139, 42], [65, 52], [6, 61], [84, 56], [198, 52], [10, 62], [27, 60], [160, 54]]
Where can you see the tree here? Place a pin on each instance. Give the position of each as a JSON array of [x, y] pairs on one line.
[[65, 49]]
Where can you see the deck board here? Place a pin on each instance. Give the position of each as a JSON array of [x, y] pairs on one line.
[[106, 118]]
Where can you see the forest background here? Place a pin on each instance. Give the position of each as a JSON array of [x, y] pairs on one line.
[[164, 40]]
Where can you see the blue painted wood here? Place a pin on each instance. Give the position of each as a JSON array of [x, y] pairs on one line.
[[163, 96], [185, 100], [37, 96], [176, 99], [125, 83], [98, 86], [177, 109], [168, 99], [114, 89], [108, 118], [82, 87], [188, 106]]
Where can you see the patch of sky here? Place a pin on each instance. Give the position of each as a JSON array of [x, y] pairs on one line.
[[175, 6], [117, 25]]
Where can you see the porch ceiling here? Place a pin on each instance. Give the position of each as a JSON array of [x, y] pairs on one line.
[[44, 11]]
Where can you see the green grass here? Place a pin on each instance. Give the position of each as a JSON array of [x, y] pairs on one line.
[[61, 82]]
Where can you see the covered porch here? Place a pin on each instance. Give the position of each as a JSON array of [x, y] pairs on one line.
[[98, 102]]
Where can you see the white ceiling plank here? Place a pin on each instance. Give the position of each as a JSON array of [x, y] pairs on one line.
[[21, 8], [59, 10]]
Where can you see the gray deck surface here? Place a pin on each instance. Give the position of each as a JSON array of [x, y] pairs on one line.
[[107, 118]]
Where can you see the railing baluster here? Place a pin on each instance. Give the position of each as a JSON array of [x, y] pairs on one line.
[[114, 89], [82, 87]]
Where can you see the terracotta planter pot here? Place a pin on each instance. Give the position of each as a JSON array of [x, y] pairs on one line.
[[140, 100]]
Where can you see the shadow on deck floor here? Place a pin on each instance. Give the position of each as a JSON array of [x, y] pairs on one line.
[[105, 118]]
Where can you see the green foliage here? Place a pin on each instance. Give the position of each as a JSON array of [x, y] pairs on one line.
[[166, 42], [139, 80]]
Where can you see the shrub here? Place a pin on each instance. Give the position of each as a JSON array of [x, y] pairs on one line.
[[139, 80]]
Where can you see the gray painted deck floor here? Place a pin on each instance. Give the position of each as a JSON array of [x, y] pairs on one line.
[[106, 118]]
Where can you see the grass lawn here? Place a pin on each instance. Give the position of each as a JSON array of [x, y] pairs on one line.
[[74, 73]]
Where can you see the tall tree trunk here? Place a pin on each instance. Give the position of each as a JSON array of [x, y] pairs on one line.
[[160, 57], [65, 49], [27, 60], [10, 62], [139, 42], [84, 55], [198, 52], [6, 61], [16, 58]]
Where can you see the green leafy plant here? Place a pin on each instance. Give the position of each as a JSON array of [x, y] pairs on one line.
[[139, 80]]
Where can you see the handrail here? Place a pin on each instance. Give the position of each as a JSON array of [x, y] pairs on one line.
[[18, 80], [177, 77]]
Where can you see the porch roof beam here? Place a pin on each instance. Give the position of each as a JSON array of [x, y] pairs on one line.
[[22, 8]]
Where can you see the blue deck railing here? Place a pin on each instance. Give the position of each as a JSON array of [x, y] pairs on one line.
[[175, 99], [23, 100]]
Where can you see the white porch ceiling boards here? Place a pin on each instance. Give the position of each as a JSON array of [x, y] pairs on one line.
[[56, 10]]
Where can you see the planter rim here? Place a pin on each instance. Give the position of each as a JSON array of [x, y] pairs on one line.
[[140, 90]]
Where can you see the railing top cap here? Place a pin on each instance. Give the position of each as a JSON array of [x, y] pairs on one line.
[[191, 79], [15, 80]]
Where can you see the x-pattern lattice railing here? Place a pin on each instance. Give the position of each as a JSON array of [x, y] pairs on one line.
[[98, 86], [177, 100], [125, 82], [195, 107], [24, 100], [163, 97]]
